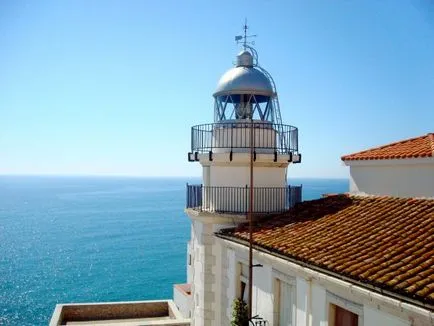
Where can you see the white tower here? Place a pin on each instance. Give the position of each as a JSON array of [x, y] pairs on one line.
[[247, 125]]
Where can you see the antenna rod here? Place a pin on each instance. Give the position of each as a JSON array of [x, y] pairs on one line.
[[245, 33], [251, 221], [242, 39]]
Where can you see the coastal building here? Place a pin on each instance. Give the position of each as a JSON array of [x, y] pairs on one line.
[[404, 168], [361, 258]]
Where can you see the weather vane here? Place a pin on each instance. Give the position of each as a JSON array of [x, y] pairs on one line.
[[243, 39]]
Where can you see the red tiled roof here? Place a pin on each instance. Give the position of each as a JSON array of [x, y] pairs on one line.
[[387, 242], [422, 146]]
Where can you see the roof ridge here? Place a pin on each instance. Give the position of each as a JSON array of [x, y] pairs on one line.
[[366, 195], [429, 137], [390, 144]]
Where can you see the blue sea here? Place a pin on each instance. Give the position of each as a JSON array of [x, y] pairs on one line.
[[81, 239]]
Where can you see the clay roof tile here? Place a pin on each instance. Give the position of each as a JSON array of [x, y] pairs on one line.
[[380, 240], [417, 147]]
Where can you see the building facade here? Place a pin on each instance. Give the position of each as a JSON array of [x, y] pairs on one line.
[[363, 258]]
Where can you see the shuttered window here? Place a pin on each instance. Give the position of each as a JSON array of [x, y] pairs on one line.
[[285, 296]]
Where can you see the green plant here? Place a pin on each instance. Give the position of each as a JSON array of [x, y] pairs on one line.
[[240, 314]]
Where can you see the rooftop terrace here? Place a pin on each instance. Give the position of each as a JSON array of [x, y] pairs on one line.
[[133, 313]]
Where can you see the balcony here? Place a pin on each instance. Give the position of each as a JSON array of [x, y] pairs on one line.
[[235, 200], [132, 313], [234, 136]]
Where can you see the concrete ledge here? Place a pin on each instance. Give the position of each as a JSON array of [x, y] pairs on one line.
[[215, 218], [162, 312]]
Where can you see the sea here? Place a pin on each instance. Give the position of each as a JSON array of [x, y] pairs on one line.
[[85, 239]]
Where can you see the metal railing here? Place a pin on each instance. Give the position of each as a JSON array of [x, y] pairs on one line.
[[236, 199], [235, 136]]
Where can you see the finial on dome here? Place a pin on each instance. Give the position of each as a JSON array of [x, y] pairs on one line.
[[242, 39], [245, 33]]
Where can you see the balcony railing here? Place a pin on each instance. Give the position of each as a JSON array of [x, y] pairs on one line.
[[236, 199], [235, 136]]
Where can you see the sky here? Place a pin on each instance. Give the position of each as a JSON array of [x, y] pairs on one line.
[[113, 87]]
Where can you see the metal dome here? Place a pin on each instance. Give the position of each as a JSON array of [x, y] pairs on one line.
[[244, 80]]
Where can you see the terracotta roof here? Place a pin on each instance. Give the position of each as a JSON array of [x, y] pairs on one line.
[[422, 146], [386, 242]]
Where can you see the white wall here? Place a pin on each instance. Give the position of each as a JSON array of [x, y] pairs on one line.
[[374, 316], [230, 276], [238, 139], [239, 176], [236, 176], [182, 301], [302, 290], [203, 296], [402, 178], [208, 282], [319, 307], [263, 296]]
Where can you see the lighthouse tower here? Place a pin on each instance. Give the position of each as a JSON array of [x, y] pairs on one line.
[[246, 146]]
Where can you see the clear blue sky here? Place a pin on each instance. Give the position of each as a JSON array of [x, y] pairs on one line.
[[113, 87]]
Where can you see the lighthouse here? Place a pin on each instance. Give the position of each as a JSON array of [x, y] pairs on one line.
[[244, 155]]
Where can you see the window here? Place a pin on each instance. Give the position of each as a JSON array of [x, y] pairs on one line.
[[243, 282], [342, 317], [284, 299], [343, 312], [244, 291]]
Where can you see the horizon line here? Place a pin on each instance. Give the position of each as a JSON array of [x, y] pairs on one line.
[[134, 176]]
